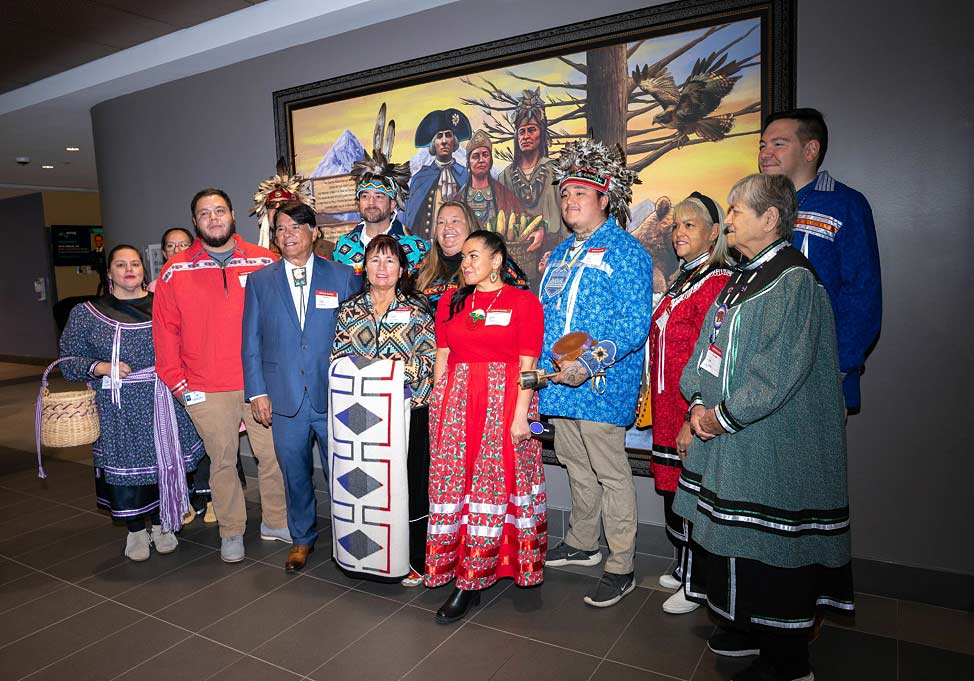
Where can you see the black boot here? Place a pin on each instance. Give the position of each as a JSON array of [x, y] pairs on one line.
[[456, 606]]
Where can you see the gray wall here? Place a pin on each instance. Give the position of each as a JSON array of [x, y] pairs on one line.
[[28, 324], [901, 133]]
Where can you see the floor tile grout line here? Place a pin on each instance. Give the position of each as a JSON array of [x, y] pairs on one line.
[[537, 640], [378, 624], [259, 598], [164, 574], [310, 614], [41, 527], [149, 659], [437, 647], [703, 652], [28, 602], [51, 624], [84, 647], [626, 628]]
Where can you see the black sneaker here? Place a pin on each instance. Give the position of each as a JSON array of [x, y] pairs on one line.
[[611, 589], [731, 643], [563, 554]]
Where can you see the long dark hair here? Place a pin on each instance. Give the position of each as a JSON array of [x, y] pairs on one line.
[[494, 245], [434, 267], [122, 247], [384, 244]]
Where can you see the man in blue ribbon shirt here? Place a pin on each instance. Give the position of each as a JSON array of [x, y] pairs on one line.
[[599, 281]]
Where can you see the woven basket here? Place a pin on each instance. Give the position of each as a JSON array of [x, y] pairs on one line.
[[518, 250], [66, 419]]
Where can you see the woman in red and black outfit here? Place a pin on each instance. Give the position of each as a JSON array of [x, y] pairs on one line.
[[487, 516], [700, 243]]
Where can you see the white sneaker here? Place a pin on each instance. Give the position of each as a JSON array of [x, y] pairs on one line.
[[165, 542], [137, 546], [669, 582], [275, 534], [678, 604]]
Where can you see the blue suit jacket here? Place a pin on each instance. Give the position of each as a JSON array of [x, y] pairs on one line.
[[279, 359]]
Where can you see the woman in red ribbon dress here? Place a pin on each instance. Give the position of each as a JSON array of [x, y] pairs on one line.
[[700, 243], [487, 498]]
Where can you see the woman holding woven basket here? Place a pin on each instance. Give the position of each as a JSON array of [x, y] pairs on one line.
[[147, 441]]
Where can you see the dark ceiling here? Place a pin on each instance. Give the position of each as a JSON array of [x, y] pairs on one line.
[[41, 38]]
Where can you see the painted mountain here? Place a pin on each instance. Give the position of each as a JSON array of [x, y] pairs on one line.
[[343, 153], [338, 161]]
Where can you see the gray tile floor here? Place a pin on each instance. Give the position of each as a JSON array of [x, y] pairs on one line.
[[72, 607]]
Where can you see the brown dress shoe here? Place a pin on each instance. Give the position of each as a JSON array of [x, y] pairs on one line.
[[297, 557]]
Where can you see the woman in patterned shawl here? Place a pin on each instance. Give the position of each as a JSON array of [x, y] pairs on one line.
[[389, 320], [487, 498], [147, 440]]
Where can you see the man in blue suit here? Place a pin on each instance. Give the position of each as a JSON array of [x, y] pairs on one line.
[[289, 321]]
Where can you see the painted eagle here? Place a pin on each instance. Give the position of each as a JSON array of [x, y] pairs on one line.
[[687, 110]]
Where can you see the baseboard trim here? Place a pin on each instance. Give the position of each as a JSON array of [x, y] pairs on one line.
[[27, 359], [891, 580]]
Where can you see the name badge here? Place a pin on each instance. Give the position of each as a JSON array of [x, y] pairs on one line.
[[195, 396], [106, 383], [594, 257], [243, 280], [400, 316], [326, 300], [498, 318], [556, 281], [711, 362], [661, 322]]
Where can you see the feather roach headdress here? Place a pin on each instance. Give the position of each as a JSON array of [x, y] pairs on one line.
[[377, 172], [285, 186], [601, 167]]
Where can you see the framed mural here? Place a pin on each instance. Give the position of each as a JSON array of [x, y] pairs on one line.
[[682, 87]]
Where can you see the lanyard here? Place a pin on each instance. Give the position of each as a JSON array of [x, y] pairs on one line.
[[737, 286]]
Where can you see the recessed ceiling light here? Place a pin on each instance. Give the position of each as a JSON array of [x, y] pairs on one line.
[[48, 167], [72, 149]]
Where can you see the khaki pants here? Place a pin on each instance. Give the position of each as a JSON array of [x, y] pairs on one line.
[[602, 488], [218, 422]]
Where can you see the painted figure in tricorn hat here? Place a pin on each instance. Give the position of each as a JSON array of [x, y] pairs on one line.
[[442, 131]]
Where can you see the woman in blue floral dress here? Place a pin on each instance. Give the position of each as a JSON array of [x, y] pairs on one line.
[[147, 441]]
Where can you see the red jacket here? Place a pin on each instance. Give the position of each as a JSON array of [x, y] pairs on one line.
[[197, 317]]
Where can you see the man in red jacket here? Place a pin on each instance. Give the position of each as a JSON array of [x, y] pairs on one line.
[[197, 315]]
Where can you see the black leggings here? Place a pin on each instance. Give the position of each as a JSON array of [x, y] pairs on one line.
[[137, 524]]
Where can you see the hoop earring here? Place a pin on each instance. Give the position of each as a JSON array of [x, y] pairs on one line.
[[493, 276]]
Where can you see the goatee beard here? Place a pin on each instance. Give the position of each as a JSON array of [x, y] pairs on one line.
[[215, 243]]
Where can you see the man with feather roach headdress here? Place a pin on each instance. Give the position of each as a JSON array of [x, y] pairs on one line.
[[382, 188], [271, 194], [598, 282]]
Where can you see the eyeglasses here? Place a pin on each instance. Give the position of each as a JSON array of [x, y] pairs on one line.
[[180, 245]]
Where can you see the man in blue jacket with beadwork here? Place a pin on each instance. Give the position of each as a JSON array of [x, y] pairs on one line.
[[599, 281], [835, 231]]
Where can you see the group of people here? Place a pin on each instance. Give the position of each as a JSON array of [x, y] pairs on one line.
[[751, 363]]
